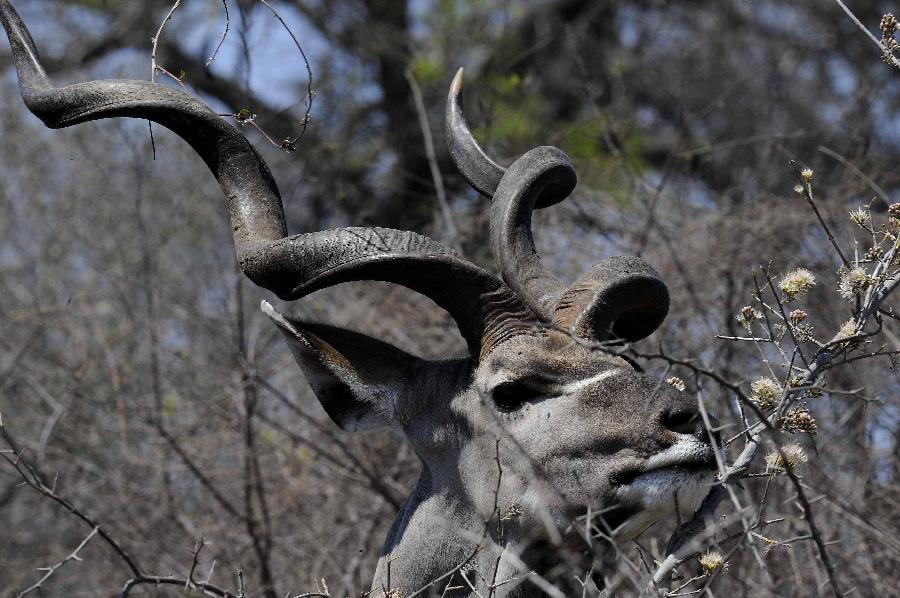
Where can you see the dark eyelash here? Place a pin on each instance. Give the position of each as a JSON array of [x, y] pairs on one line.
[[510, 396]]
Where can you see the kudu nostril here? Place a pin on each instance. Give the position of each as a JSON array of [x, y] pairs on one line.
[[682, 420]]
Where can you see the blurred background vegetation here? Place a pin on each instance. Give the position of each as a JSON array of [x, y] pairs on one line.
[[136, 367]]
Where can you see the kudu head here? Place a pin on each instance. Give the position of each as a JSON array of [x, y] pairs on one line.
[[522, 441]]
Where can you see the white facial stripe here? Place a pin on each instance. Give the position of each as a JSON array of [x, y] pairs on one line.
[[579, 384]]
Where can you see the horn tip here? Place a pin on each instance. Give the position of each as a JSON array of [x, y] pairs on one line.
[[456, 86]]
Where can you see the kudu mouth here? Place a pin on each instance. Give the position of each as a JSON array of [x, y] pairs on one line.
[[692, 451], [702, 461], [673, 482]]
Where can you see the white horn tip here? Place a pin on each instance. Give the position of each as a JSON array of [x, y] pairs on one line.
[[456, 86]]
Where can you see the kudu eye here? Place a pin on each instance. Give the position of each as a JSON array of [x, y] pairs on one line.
[[511, 396], [681, 421]]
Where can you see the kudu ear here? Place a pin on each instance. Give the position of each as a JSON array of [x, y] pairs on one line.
[[357, 378]]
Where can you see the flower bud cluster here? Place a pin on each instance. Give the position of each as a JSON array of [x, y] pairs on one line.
[[765, 393], [799, 419], [888, 27], [791, 456], [797, 282]]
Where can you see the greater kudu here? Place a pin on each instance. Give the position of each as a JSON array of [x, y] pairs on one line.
[[520, 441]]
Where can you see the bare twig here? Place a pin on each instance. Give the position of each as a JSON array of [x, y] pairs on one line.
[[33, 480], [868, 33], [855, 170], [452, 231], [154, 66], [290, 143], [222, 39], [814, 530], [808, 196], [52, 568]]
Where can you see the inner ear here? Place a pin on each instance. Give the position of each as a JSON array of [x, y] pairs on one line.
[[357, 379]]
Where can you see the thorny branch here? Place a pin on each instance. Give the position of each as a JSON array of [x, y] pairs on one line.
[[49, 571], [218, 47], [32, 479], [869, 294], [14, 456]]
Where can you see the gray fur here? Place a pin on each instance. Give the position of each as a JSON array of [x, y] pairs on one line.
[[597, 419]]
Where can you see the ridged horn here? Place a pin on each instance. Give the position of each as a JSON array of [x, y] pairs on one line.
[[485, 310], [542, 174], [479, 169], [619, 298]]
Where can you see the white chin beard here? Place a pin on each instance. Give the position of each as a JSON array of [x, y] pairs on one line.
[[658, 494]]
